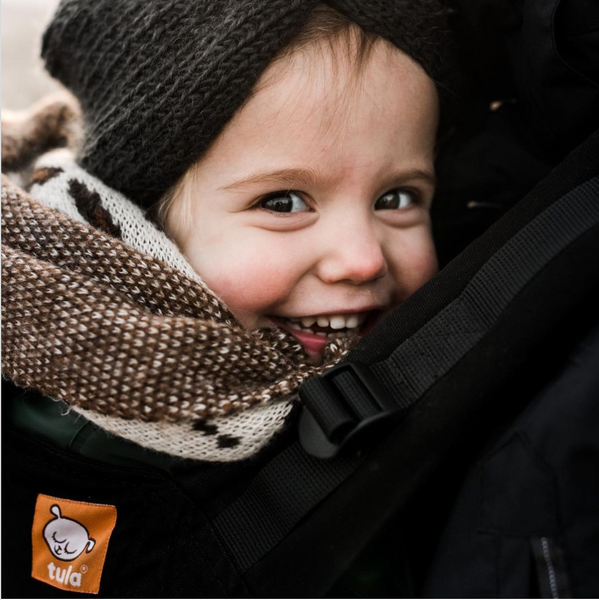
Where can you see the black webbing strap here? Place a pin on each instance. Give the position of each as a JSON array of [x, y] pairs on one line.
[[287, 488], [466, 309], [354, 400]]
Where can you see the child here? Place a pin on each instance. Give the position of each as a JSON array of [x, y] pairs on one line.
[[296, 185], [286, 150]]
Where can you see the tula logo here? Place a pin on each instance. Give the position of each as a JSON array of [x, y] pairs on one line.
[[66, 538], [63, 575], [70, 542]]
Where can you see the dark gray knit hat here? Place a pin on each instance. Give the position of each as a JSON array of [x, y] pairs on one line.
[[159, 79]]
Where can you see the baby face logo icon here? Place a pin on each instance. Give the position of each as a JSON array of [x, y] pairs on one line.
[[66, 538], [69, 542]]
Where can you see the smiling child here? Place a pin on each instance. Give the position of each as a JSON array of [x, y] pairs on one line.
[[310, 211], [249, 195]]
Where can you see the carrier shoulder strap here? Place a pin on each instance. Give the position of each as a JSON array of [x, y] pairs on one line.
[[443, 362]]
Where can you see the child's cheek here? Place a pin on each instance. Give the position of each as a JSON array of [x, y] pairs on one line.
[[413, 262], [425, 263], [251, 283]]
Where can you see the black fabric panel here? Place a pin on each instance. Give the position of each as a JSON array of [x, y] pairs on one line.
[[546, 57], [541, 53], [531, 90], [513, 472], [216, 484], [490, 163]]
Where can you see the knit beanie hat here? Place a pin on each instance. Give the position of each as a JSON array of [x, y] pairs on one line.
[[158, 80]]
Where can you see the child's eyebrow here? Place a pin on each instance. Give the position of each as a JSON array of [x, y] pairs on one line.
[[308, 176], [291, 177]]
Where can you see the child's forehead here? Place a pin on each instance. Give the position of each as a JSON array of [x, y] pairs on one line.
[[322, 88], [329, 71]]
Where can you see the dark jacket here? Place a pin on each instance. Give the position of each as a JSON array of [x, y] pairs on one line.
[[526, 520]]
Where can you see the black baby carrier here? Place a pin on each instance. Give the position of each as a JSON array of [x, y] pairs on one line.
[[455, 451]]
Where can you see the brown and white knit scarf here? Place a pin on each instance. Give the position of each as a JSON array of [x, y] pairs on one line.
[[102, 311]]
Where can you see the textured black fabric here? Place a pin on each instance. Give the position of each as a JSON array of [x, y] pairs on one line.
[[491, 162], [163, 545], [543, 54], [431, 352], [158, 81]]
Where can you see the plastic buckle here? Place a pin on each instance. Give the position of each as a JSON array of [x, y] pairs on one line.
[[344, 408]]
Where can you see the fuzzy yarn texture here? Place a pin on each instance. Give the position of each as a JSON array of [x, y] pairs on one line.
[[158, 81], [102, 311]]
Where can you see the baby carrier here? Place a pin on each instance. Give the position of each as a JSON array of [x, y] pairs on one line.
[[454, 452]]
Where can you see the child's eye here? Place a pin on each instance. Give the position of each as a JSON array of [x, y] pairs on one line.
[[283, 202], [395, 199]]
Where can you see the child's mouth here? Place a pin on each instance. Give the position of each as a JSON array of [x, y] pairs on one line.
[[315, 332]]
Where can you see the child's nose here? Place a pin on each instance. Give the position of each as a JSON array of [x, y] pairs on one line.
[[354, 255]]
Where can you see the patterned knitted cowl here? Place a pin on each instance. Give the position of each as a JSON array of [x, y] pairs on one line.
[[102, 311]]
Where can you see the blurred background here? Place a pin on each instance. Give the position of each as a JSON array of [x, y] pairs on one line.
[[24, 80]]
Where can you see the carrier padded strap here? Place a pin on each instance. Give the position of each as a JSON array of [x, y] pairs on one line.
[[489, 385], [496, 309]]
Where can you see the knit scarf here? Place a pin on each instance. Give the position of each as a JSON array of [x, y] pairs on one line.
[[102, 311]]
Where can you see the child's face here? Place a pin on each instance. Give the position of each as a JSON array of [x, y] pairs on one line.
[[313, 204]]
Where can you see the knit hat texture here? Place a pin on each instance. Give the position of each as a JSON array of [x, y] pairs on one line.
[[158, 80]]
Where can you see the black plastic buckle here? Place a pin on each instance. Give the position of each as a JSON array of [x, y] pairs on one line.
[[345, 407]]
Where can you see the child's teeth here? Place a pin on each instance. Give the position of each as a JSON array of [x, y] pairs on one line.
[[352, 321], [337, 322]]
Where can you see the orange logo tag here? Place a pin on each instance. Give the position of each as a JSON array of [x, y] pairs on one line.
[[70, 541]]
